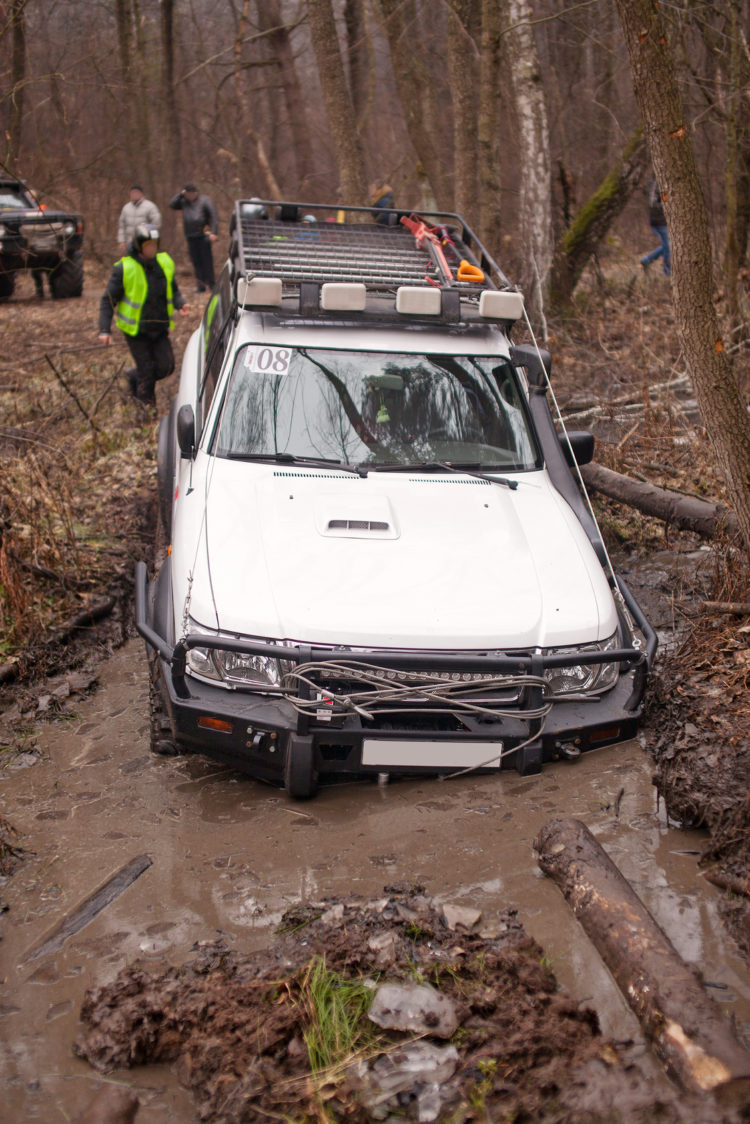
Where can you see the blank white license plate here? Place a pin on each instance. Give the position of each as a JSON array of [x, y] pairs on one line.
[[431, 755]]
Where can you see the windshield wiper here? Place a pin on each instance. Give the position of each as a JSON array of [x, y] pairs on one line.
[[462, 468], [290, 458]]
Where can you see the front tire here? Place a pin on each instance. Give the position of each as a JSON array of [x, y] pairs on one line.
[[7, 285], [300, 775], [67, 279], [162, 739]]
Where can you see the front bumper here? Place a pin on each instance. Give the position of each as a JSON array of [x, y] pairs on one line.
[[255, 732]]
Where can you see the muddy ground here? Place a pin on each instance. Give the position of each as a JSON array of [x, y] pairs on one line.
[[526, 1050]]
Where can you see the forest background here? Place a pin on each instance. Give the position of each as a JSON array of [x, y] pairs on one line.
[[520, 117]]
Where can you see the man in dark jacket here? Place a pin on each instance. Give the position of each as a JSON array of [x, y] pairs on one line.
[[201, 225], [143, 293]]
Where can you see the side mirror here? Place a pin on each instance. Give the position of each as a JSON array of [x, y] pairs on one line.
[[186, 431], [582, 444]]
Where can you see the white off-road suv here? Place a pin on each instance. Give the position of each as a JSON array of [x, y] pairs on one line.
[[381, 560]]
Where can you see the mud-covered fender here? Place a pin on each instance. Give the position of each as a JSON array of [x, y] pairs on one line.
[[165, 455]]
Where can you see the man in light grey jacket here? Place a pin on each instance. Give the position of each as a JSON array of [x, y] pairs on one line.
[[140, 211]]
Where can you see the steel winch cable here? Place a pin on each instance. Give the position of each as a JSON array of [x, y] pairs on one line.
[[380, 694], [573, 460]]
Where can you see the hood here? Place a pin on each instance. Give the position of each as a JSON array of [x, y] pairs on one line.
[[403, 560]]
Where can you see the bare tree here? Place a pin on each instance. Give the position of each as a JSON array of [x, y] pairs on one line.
[[490, 203], [463, 58], [358, 52], [171, 116], [416, 84], [277, 34], [535, 210], [16, 20], [586, 231], [673, 157], [338, 103], [245, 116]]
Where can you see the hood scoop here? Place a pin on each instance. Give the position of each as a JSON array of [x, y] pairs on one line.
[[355, 517]]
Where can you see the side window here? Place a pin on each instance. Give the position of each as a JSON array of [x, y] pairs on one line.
[[215, 331]]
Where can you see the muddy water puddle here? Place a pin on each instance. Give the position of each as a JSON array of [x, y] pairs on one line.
[[229, 855]]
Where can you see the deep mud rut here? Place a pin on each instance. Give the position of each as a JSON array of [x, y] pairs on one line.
[[229, 856]]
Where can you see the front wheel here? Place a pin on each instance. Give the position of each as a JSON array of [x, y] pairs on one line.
[[67, 279], [162, 739], [7, 284], [300, 775]]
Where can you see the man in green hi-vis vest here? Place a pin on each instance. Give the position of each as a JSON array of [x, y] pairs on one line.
[[143, 294]]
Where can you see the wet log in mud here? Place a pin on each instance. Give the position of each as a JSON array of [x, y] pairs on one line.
[[689, 513], [688, 1031]]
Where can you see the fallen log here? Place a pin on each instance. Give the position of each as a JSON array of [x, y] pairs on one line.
[[729, 882], [688, 1031], [686, 512], [735, 608]]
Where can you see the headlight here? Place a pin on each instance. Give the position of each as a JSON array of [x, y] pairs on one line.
[[583, 678], [69, 228], [234, 667], [242, 667]]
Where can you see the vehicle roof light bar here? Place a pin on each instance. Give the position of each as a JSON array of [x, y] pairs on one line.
[[343, 297], [501, 305], [415, 301], [259, 291]]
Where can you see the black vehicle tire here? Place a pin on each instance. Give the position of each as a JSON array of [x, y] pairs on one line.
[[300, 776], [67, 279], [163, 743], [7, 285]]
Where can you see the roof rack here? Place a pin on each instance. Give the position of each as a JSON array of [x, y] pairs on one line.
[[303, 242]]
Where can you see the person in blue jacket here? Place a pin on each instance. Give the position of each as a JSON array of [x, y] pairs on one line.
[[659, 226]]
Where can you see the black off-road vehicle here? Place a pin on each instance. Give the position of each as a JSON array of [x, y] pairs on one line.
[[42, 240]]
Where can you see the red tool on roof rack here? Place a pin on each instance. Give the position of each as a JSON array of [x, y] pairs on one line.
[[432, 239], [426, 239]]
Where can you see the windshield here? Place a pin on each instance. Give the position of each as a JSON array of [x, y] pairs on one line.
[[10, 199], [367, 407]]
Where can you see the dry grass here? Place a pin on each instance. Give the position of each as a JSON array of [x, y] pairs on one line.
[[78, 464]]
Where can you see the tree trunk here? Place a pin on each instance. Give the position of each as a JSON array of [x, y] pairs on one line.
[[415, 83], [17, 80], [143, 150], [490, 201], [535, 209], [462, 69], [339, 109], [687, 1029], [360, 70], [271, 21], [585, 233], [673, 158], [171, 116], [731, 245], [245, 117]]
